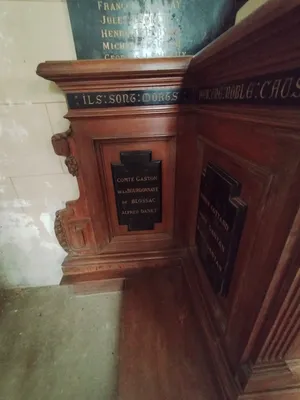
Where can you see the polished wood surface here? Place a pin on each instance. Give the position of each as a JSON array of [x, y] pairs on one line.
[[68, 71], [88, 228], [162, 353], [259, 146]]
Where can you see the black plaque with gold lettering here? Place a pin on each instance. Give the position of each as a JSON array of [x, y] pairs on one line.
[[147, 28], [137, 184], [221, 216]]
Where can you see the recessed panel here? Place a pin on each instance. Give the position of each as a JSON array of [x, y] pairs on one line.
[[139, 183]]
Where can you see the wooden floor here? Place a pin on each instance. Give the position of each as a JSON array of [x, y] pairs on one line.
[[162, 356]]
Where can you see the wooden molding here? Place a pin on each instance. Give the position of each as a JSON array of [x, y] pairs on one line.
[[81, 269], [126, 68], [269, 380], [286, 327], [220, 364]]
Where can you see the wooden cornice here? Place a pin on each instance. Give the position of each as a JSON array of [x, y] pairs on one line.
[[59, 71]]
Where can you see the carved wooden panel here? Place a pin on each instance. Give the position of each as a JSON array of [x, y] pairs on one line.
[[259, 146], [116, 108]]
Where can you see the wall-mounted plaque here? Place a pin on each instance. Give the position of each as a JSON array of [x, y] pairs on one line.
[[221, 216], [137, 184], [147, 28]]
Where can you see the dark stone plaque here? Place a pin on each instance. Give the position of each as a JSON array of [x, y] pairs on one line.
[[137, 183], [147, 28], [221, 216]]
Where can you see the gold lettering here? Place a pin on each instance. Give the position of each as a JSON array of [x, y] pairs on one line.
[[214, 258], [296, 95], [114, 33], [130, 212], [113, 56], [205, 199], [110, 6], [175, 96], [250, 89], [232, 93], [219, 217], [275, 89], [125, 98], [238, 91], [143, 200], [132, 98], [146, 97], [117, 46], [285, 90], [106, 20], [104, 33], [154, 96], [217, 239], [227, 94], [263, 88], [242, 95], [146, 178], [149, 211], [90, 101], [160, 97], [118, 99], [128, 179], [99, 99], [138, 190]]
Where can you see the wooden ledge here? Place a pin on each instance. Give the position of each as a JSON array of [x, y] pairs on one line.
[[58, 71]]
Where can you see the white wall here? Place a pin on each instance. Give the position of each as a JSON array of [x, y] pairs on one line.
[[34, 182]]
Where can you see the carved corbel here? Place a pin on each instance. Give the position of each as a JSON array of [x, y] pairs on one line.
[[60, 231], [60, 143], [72, 165], [61, 147]]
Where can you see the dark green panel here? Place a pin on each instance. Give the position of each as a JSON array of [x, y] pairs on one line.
[[147, 28]]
